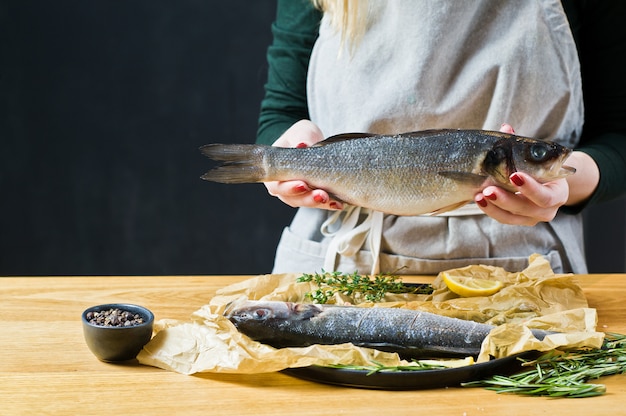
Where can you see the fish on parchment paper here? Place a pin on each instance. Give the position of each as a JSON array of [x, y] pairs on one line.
[[410, 333], [416, 173]]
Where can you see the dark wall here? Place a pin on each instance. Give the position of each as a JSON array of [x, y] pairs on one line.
[[103, 107], [605, 237]]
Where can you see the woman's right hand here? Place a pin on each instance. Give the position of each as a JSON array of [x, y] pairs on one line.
[[297, 193]]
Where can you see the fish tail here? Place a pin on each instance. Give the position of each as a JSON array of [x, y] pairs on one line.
[[242, 163]]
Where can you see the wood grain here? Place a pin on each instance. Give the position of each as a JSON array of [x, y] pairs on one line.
[[46, 368]]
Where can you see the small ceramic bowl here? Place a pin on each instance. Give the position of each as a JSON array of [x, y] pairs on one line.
[[117, 343]]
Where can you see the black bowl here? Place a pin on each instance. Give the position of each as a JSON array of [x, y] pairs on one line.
[[117, 343]]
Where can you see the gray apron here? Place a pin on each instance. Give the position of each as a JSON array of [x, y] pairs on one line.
[[435, 64]]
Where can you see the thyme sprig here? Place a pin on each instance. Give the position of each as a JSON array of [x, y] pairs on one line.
[[565, 374], [372, 289]]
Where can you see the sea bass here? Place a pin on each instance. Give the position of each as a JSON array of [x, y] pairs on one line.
[[410, 333], [407, 174]]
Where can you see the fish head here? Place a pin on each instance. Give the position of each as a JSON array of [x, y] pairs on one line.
[[251, 313], [543, 160], [244, 310], [270, 321]]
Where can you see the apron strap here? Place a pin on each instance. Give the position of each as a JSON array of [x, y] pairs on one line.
[[349, 238]]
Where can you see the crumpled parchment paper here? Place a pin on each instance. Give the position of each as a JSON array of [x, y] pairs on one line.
[[532, 298]]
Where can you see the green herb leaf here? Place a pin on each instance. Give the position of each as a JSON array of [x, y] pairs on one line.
[[377, 367], [372, 289], [564, 374]]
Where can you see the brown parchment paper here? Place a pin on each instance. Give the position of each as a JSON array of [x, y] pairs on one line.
[[532, 298]]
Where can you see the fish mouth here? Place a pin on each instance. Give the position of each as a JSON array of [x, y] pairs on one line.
[[244, 308], [234, 306], [558, 170], [563, 172], [567, 170], [229, 308]]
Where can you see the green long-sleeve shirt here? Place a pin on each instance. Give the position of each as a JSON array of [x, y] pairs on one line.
[[600, 36]]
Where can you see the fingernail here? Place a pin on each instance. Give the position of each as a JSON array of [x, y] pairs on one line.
[[507, 126], [301, 145], [334, 205], [491, 197], [300, 189], [320, 199], [517, 179], [481, 202]]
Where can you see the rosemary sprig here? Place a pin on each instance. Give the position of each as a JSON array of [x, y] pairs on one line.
[[377, 367], [372, 289], [565, 374]]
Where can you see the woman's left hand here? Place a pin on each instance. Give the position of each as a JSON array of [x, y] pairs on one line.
[[535, 202]]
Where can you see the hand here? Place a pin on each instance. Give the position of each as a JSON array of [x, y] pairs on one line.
[[532, 203], [297, 193], [535, 202]]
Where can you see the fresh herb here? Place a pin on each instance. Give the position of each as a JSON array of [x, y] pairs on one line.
[[372, 289], [565, 374], [377, 367]]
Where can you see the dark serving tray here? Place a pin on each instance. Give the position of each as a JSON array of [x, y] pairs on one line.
[[408, 380]]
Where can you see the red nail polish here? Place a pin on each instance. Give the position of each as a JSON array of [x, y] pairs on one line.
[[491, 197], [517, 180], [301, 145], [482, 202], [334, 205], [300, 189], [319, 199]]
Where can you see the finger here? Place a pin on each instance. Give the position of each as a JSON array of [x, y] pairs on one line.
[[299, 194], [501, 215], [287, 188], [546, 195], [507, 128], [313, 199], [324, 201], [513, 208], [301, 134]]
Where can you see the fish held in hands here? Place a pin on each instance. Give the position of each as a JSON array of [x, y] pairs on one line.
[[410, 333], [431, 171]]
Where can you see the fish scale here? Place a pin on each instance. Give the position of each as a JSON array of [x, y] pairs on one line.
[[410, 333], [407, 174]]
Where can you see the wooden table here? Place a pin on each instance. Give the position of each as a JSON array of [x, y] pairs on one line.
[[46, 368]]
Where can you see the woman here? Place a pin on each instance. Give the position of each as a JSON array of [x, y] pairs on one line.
[[392, 67]]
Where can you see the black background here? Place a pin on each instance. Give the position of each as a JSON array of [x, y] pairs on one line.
[[103, 107]]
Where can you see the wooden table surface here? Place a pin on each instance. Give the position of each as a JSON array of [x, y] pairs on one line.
[[46, 368]]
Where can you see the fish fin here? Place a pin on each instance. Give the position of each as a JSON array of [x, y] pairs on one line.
[[471, 179], [448, 208], [243, 163], [441, 132], [412, 134], [345, 136], [430, 132], [438, 132]]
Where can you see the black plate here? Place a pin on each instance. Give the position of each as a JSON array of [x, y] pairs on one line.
[[408, 380]]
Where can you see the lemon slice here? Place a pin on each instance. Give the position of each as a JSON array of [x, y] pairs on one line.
[[471, 286], [450, 363]]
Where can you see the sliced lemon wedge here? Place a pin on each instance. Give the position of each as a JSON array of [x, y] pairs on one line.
[[450, 363], [471, 286]]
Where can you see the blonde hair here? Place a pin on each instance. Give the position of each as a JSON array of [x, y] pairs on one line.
[[349, 17]]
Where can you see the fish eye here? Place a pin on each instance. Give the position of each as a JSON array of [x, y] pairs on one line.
[[538, 152], [260, 314]]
